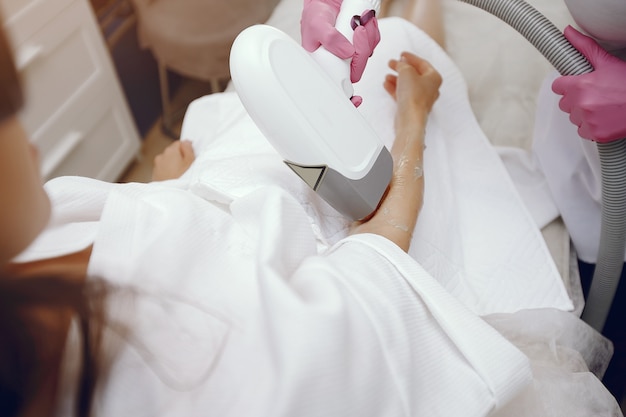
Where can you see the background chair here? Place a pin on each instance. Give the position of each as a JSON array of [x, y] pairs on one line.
[[193, 38]]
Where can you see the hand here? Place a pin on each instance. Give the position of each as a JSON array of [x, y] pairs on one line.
[[317, 27], [415, 88], [173, 161], [596, 101]]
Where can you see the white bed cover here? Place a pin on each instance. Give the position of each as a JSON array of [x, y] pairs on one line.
[[474, 233]]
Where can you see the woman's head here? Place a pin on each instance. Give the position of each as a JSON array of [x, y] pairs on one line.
[[25, 207]]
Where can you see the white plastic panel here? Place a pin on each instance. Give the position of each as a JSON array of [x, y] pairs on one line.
[[298, 107]]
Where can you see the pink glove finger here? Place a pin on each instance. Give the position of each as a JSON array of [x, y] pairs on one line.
[[325, 34], [581, 120], [337, 44], [369, 21], [596, 101], [317, 28], [335, 4], [361, 54], [576, 118], [586, 45], [365, 39], [565, 104], [585, 133], [356, 100], [563, 84]]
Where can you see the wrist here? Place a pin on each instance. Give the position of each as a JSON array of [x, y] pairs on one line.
[[409, 141], [411, 124]]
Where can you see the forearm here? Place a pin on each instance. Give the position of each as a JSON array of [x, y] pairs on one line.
[[415, 89], [397, 213]]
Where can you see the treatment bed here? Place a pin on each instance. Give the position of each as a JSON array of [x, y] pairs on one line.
[[509, 263], [503, 73]]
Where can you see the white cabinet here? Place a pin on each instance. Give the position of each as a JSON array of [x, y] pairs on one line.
[[75, 109]]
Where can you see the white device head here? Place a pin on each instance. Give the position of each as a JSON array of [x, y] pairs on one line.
[[306, 116]]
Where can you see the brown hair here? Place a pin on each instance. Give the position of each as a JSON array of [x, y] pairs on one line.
[[24, 362], [23, 355]]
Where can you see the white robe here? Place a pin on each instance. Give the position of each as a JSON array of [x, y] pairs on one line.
[[233, 312]]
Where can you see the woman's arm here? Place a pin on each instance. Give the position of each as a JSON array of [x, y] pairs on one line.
[[415, 89]]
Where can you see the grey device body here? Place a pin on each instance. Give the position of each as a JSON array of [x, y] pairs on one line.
[[355, 199]]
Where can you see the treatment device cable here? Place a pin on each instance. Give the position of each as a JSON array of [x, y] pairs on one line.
[[549, 40]]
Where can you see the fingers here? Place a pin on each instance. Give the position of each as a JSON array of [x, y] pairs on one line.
[[336, 4], [413, 65], [567, 104], [564, 103], [586, 45], [180, 149], [562, 84], [186, 150], [356, 100], [173, 161], [576, 117], [365, 38], [317, 27], [173, 149], [331, 39], [370, 23], [362, 52], [422, 66], [336, 43], [390, 84], [414, 87], [585, 133]]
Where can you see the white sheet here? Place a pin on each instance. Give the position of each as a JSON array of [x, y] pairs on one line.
[[474, 234]]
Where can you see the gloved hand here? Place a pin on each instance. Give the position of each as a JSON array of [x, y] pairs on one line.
[[366, 37], [317, 27], [596, 101]]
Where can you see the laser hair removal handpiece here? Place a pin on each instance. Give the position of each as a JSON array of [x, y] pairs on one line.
[[304, 111]]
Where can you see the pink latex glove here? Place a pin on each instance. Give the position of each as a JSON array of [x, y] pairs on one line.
[[317, 27], [366, 37], [596, 101]]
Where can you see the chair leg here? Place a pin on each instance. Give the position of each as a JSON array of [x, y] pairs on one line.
[[166, 118]]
